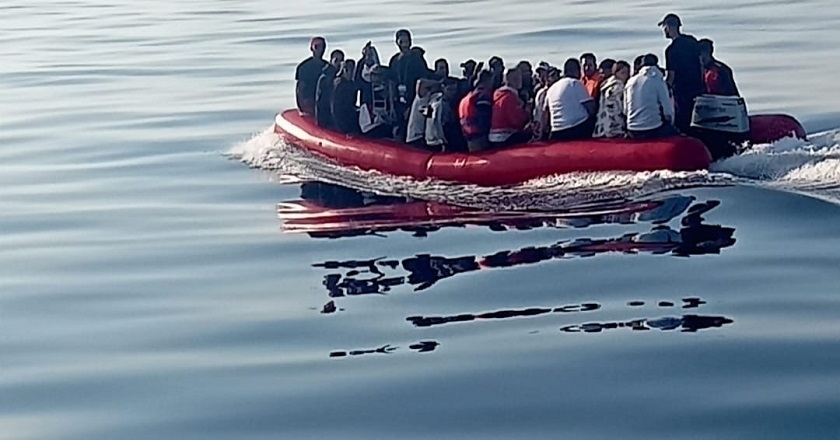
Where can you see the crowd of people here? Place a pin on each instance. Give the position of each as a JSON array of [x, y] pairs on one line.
[[495, 107]]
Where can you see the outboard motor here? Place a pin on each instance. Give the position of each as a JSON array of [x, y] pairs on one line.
[[722, 123]]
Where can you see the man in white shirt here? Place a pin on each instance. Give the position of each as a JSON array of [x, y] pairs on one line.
[[650, 110], [570, 111]]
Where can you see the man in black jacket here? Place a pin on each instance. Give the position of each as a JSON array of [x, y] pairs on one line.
[[684, 72], [406, 67]]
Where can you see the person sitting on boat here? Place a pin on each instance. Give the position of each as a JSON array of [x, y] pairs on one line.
[[612, 119], [528, 89], [441, 69], [606, 69], [416, 129], [591, 75], [551, 76], [443, 129], [406, 67], [649, 108], [717, 75], [510, 115], [570, 109], [469, 70], [684, 71], [497, 68], [307, 74], [323, 92], [344, 97], [475, 112], [638, 63]]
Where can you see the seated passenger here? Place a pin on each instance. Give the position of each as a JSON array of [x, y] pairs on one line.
[[638, 64], [443, 129], [551, 76], [475, 112], [441, 69], [606, 69], [323, 93], [612, 120], [344, 100], [510, 117], [416, 129], [469, 69], [307, 74], [570, 110], [497, 68], [717, 75], [591, 76], [528, 90], [650, 110]]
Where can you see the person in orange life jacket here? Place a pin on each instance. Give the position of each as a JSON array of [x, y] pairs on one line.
[[345, 92], [717, 75], [684, 71], [591, 75], [475, 112], [570, 111], [323, 92], [510, 115], [307, 74], [406, 67]]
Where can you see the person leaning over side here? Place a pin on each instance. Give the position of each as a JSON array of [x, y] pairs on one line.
[[612, 119], [476, 113], [684, 71], [307, 74], [570, 111], [717, 75], [650, 111]]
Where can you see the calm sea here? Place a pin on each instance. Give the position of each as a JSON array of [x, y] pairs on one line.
[[152, 286]]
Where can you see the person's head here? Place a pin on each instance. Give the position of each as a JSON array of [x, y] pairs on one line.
[[671, 26], [449, 87], [496, 65], [571, 68], [542, 72], [370, 57], [621, 70], [484, 80], [637, 64], [525, 68], [441, 68], [348, 68], [513, 79], [589, 64], [552, 76], [606, 67], [707, 50], [318, 47], [650, 60], [426, 87], [403, 40], [336, 58], [468, 68]]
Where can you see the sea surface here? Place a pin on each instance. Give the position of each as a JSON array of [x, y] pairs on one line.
[[170, 270]]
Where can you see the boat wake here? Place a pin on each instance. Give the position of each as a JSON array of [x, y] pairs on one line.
[[808, 167]]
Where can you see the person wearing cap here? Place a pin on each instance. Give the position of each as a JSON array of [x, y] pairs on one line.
[[570, 110], [510, 115], [323, 92], [475, 112], [647, 103], [684, 71], [717, 75], [307, 74], [591, 75]]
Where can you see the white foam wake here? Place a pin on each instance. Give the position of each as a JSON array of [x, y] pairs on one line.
[[793, 165]]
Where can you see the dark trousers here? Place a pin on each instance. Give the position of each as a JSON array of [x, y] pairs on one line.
[[664, 130], [683, 111], [581, 131], [478, 143], [515, 139]]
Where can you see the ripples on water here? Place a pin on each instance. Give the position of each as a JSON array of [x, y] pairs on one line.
[[147, 289]]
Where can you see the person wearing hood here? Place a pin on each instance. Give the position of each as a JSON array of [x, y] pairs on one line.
[[510, 116], [344, 100], [612, 119], [406, 67], [650, 110], [323, 93]]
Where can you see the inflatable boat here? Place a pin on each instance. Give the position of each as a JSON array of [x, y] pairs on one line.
[[517, 164]]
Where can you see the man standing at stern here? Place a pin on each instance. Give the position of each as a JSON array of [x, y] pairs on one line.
[[684, 71]]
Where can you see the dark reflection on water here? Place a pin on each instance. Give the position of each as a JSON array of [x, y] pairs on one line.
[[420, 347]]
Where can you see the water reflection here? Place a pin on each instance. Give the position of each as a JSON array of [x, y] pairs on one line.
[[420, 347]]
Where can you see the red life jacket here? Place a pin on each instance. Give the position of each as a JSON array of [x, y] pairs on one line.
[[475, 112]]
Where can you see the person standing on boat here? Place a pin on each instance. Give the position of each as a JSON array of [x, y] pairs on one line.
[[569, 108], [406, 67], [649, 108], [717, 75], [510, 116], [344, 96], [684, 71], [612, 119], [476, 113], [323, 93], [307, 74]]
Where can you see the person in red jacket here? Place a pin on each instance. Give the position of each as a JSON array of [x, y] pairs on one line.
[[717, 75], [475, 112], [510, 117]]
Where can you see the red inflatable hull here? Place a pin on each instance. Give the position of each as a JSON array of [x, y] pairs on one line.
[[499, 167]]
